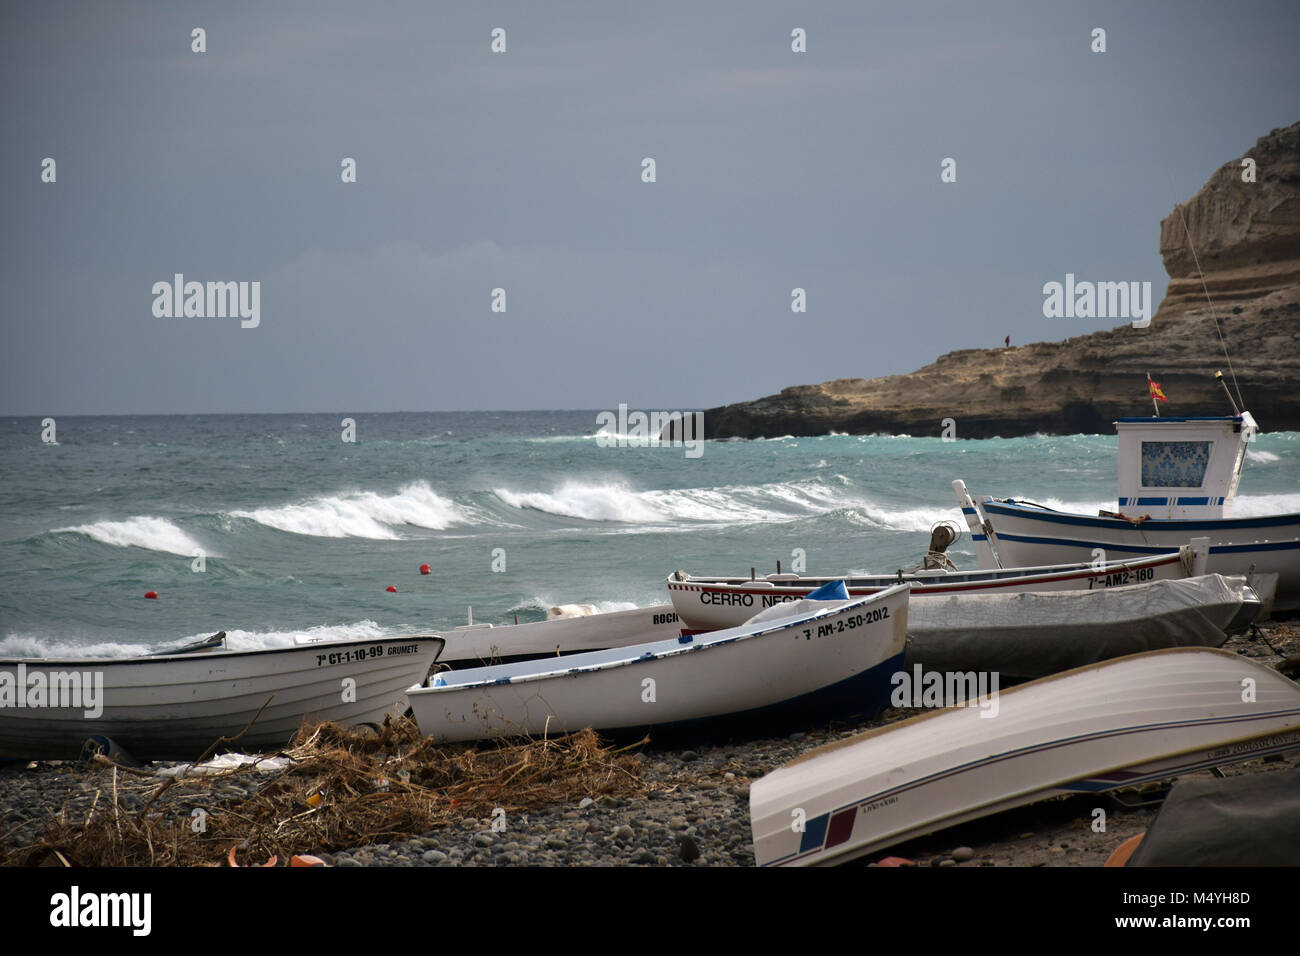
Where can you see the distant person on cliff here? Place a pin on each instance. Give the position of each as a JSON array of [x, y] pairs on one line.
[[1008, 341]]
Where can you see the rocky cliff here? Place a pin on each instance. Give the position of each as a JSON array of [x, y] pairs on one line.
[[1247, 238]]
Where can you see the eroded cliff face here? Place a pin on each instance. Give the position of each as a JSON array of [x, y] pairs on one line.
[[1247, 237], [1245, 234]]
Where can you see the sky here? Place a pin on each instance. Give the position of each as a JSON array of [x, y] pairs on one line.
[[523, 171]]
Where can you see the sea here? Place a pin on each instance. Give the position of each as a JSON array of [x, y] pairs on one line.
[[272, 526]]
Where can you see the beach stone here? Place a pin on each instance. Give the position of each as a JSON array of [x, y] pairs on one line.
[[556, 842], [585, 802], [624, 832], [347, 861], [643, 856], [434, 856], [609, 802], [688, 849], [677, 823], [947, 862], [484, 839], [962, 854]]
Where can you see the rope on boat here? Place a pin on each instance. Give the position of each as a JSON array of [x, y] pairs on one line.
[[1213, 312]]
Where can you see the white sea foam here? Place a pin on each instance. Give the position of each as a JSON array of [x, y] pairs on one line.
[[1259, 506], [543, 602], [237, 640], [28, 645], [364, 514], [1264, 456], [615, 501], [907, 519], [154, 534]]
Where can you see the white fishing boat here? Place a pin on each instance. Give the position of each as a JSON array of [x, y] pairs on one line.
[[1120, 723], [1033, 634], [174, 706], [815, 656], [477, 645], [706, 602], [1177, 481]]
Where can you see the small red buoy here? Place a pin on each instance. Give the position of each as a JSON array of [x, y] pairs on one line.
[[152, 595], [390, 589], [425, 569]]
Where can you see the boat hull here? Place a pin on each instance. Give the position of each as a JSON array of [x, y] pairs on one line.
[[1033, 634], [1120, 723], [173, 707], [1025, 535], [707, 603], [837, 660]]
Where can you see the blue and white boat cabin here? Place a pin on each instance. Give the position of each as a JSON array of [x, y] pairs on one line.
[[1182, 467]]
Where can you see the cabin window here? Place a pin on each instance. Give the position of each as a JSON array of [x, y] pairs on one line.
[[1174, 464]]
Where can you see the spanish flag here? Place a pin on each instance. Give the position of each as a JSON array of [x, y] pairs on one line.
[[1156, 393]]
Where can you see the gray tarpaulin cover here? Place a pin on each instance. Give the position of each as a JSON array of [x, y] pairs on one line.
[[1033, 634], [1247, 820]]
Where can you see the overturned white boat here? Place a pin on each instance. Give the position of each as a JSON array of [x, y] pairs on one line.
[[1120, 723], [705, 603], [1033, 634], [478, 645], [175, 706], [1177, 481], [818, 656]]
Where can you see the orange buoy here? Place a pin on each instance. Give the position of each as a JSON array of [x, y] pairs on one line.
[[425, 569], [152, 595], [390, 589]]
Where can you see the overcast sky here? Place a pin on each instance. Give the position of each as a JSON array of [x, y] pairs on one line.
[[522, 170]]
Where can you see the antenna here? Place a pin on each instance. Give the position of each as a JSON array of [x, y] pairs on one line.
[[1218, 377]]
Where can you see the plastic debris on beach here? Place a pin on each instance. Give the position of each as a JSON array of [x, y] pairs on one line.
[[227, 762]]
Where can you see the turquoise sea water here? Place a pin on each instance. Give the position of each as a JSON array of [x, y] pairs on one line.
[[301, 530]]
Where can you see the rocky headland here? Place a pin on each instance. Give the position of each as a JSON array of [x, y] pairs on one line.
[[1247, 238]]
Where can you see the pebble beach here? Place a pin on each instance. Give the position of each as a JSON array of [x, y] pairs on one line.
[[690, 808]]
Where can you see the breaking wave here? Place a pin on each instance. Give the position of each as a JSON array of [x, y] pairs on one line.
[[364, 514], [153, 534]]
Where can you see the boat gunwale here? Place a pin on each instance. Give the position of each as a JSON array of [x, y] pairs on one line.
[[211, 655], [1011, 508], [946, 582], [683, 647]]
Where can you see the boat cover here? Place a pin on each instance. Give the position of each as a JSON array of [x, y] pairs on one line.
[[815, 601], [1036, 633], [1247, 820]]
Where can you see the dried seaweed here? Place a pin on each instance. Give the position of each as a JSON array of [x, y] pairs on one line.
[[344, 789]]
